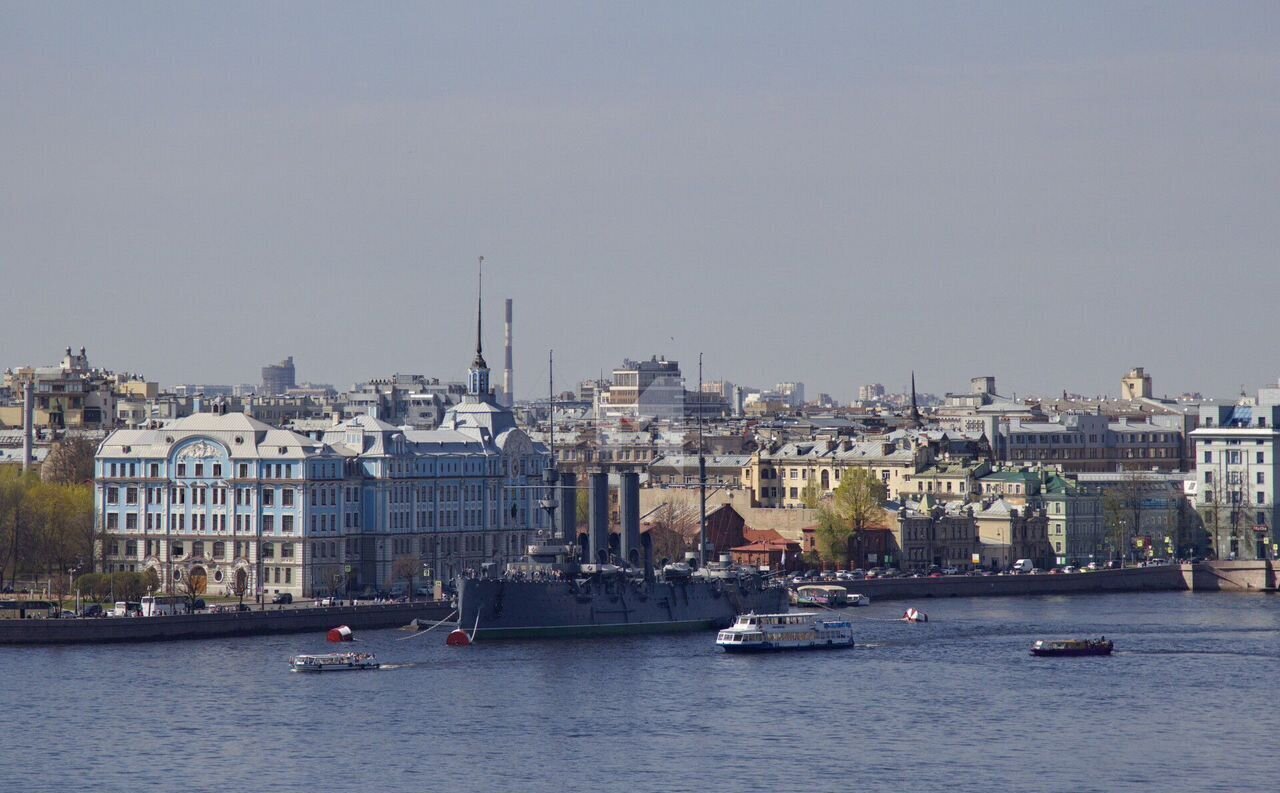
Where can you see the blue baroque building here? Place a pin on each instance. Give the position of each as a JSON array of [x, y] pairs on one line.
[[224, 501]]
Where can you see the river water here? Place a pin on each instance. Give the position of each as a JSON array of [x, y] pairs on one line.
[[1188, 702]]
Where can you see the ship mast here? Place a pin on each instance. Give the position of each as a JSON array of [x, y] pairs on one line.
[[702, 478]]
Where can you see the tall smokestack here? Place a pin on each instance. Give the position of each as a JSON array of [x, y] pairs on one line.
[[28, 425], [508, 395], [568, 514], [598, 533], [629, 509]]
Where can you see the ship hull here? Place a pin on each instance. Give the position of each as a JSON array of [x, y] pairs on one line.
[[512, 609]]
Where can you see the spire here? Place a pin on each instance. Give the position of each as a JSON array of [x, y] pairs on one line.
[[479, 363], [915, 409], [478, 374]]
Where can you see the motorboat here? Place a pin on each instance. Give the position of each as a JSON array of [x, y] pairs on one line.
[[1072, 647], [858, 599], [795, 631], [333, 662]]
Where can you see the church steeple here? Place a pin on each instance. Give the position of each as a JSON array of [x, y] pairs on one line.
[[915, 409], [478, 375]]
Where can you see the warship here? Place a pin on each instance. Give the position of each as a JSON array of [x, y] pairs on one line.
[[578, 585], [584, 585]]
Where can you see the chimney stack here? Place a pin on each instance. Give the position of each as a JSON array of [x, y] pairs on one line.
[[598, 533], [629, 509], [28, 425], [568, 514], [508, 395]]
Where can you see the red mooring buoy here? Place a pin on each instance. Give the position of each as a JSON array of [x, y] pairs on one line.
[[341, 634], [458, 638]]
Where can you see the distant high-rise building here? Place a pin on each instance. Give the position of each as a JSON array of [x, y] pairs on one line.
[[278, 378], [792, 393], [870, 393], [653, 388]]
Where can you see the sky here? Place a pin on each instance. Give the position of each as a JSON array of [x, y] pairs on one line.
[[837, 193]]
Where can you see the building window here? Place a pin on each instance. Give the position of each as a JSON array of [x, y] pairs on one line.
[[268, 522], [113, 495], [199, 469], [1262, 497], [1233, 457], [176, 550], [268, 496], [219, 550], [268, 551], [1208, 456], [286, 497], [1262, 477], [1208, 477], [1261, 458], [182, 469], [286, 523], [286, 550]]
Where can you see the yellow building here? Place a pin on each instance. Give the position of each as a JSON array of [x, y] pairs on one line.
[[778, 474]]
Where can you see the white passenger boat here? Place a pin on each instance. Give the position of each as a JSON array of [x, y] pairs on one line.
[[754, 633], [332, 662], [859, 599]]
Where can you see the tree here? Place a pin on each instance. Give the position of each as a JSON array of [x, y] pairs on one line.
[[150, 580], [405, 568], [859, 499], [70, 462], [1122, 509], [131, 586], [238, 586], [191, 587], [673, 531], [15, 521]]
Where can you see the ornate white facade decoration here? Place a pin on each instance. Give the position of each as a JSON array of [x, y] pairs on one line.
[[200, 450]]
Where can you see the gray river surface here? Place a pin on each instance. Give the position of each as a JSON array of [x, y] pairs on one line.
[[1188, 702]]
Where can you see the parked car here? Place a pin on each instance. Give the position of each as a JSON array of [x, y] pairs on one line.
[[92, 610], [331, 600], [282, 598], [951, 571]]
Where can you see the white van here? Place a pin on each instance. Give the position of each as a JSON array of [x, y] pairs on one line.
[[1023, 566]]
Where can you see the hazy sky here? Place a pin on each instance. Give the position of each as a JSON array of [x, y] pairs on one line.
[[835, 193]]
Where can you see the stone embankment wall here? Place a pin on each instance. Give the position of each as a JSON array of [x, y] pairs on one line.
[[206, 626], [1134, 579], [1254, 576]]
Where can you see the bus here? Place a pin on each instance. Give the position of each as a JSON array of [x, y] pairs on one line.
[[163, 605], [27, 609]]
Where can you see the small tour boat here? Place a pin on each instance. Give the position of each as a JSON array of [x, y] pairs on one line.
[[332, 662], [859, 599], [1071, 647], [824, 595], [799, 631]]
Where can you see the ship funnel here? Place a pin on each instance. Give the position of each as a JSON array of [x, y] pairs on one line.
[[599, 523], [629, 509], [646, 543], [568, 516]]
